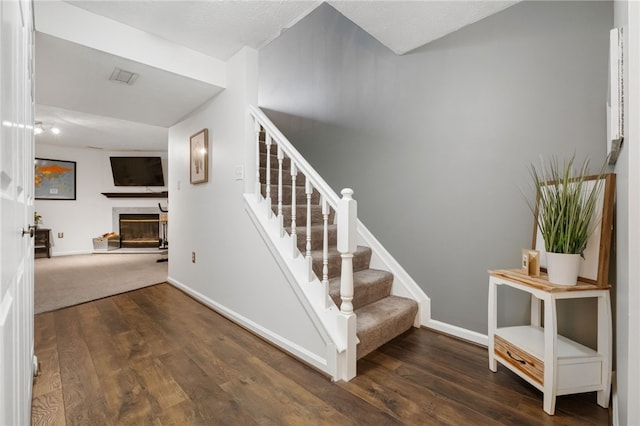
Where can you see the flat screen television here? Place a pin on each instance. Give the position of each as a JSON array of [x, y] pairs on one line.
[[137, 171]]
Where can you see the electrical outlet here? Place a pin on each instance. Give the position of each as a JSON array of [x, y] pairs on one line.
[[193, 257], [239, 172], [60, 234]]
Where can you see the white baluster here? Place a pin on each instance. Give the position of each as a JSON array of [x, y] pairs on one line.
[[280, 216], [325, 250], [257, 129], [294, 233], [308, 188], [347, 244], [268, 174]]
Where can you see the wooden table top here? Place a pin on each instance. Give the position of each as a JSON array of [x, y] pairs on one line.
[[542, 282]]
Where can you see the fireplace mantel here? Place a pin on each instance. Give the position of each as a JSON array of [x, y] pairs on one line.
[[163, 194]]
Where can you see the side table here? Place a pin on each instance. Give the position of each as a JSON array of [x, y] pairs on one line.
[[42, 241], [550, 362]]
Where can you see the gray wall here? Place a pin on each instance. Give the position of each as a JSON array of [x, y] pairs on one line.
[[436, 143]]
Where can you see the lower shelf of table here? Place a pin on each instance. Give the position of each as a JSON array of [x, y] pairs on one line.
[[521, 349]]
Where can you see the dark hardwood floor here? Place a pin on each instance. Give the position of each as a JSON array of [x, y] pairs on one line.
[[154, 356]]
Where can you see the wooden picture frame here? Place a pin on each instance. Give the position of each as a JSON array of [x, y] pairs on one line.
[[199, 157], [594, 268], [54, 179]]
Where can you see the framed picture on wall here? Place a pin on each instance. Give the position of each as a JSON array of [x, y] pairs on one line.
[[199, 158], [55, 179]]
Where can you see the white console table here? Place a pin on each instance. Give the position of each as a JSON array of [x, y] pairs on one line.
[[552, 363]]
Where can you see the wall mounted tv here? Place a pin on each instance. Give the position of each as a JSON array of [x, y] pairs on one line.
[[137, 171]]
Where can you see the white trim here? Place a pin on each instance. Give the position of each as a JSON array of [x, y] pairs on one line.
[[278, 340], [71, 253], [403, 283], [615, 421], [278, 254], [459, 332], [632, 133]]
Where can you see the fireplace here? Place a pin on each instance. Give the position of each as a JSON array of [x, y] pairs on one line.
[[139, 230]]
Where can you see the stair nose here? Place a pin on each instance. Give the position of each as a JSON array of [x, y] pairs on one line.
[[317, 235], [273, 160], [274, 175], [301, 195], [381, 321], [369, 285], [361, 259], [301, 215]]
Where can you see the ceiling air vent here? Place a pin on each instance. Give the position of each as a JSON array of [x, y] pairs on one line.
[[122, 76]]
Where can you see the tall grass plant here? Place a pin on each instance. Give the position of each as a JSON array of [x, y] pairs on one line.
[[567, 197]]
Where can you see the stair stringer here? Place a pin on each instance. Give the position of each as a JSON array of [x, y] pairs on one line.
[[322, 311], [403, 285]]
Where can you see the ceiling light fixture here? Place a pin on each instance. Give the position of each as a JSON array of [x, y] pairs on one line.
[[40, 128]]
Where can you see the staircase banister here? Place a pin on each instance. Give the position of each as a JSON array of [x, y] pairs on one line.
[[318, 183]]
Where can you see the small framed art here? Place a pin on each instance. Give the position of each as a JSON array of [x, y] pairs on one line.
[[199, 158]]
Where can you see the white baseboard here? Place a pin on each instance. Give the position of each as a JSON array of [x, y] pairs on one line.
[[459, 332], [292, 348], [70, 253]]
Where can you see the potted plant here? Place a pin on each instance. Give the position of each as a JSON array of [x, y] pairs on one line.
[[567, 198], [37, 218]]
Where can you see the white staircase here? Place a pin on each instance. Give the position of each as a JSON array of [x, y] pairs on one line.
[[318, 242]]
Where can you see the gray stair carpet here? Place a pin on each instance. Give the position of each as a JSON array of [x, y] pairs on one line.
[[380, 316]]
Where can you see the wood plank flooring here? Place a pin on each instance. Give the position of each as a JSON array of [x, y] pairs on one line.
[[155, 356]]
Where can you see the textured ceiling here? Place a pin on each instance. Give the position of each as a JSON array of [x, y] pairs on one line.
[[406, 25], [72, 78], [215, 28], [220, 28]]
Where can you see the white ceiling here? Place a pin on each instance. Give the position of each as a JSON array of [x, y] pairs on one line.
[[77, 77], [74, 94]]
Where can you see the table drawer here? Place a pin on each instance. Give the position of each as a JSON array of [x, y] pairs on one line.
[[522, 360]]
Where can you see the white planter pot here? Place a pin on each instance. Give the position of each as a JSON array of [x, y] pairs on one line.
[[563, 268]]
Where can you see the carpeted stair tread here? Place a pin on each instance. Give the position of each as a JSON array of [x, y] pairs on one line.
[[381, 321], [369, 285], [301, 195], [286, 176], [317, 235], [301, 215], [286, 161], [286, 179], [380, 316], [361, 259]]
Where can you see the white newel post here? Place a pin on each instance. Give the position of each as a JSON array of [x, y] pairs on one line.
[[257, 128], [347, 212]]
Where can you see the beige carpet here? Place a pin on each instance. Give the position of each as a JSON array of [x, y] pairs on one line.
[[69, 280]]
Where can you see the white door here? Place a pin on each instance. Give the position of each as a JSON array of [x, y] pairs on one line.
[[16, 212]]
